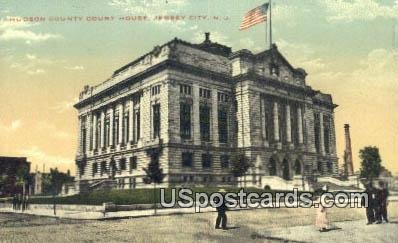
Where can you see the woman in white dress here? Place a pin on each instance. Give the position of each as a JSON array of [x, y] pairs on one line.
[[322, 221]]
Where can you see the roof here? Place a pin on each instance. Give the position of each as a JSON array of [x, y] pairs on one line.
[[207, 45]]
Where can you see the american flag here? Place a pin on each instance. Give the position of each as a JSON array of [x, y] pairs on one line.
[[254, 16]]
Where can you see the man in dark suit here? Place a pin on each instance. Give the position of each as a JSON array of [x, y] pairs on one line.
[[221, 215], [370, 209], [382, 201]]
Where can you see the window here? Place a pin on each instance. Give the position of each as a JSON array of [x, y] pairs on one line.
[[326, 133], [84, 134], [204, 117], [330, 166], [206, 160], [222, 97], [95, 168], [274, 70], [205, 93], [122, 164], [107, 131], [185, 89], [224, 159], [132, 182], [98, 134], [91, 136], [133, 163], [137, 125], [320, 170], [317, 129], [187, 159], [272, 167], [126, 122], [155, 90], [185, 120], [103, 167], [156, 120], [222, 126], [116, 128]]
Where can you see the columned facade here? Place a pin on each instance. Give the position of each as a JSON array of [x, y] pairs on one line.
[[195, 116]]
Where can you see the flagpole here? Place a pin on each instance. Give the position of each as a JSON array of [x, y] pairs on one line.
[[266, 33], [270, 24]]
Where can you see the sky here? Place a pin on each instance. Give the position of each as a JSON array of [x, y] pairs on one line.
[[347, 47]]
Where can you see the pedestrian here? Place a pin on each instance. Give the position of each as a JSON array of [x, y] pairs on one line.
[[322, 220], [371, 204], [221, 212], [14, 202], [19, 198], [383, 203]]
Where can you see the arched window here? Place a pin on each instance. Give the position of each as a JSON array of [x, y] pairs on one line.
[[286, 169], [272, 167], [320, 167], [297, 167], [330, 167]]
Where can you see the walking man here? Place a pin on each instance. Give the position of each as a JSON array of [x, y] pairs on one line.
[[383, 196], [14, 202], [370, 214], [221, 215]]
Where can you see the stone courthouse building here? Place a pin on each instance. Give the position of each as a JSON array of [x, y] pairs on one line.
[[193, 107]]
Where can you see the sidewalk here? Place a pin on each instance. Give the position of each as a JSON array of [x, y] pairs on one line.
[[66, 214], [346, 231]]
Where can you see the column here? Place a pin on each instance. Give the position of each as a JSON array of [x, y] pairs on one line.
[[214, 114], [321, 137], [102, 142], [263, 119], [131, 122], [300, 125], [79, 136], [88, 131], [276, 121], [95, 131], [111, 119], [195, 115], [121, 118], [288, 125]]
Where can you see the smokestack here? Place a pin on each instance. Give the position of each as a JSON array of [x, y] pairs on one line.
[[207, 37], [348, 165]]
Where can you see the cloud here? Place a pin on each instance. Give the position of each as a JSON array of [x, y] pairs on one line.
[[149, 7], [215, 36], [152, 8], [302, 55], [31, 57], [17, 30], [36, 71], [348, 11], [54, 131], [77, 67], [4, 25], [27, 35], [65, 105], [36, 155], [13, 126]]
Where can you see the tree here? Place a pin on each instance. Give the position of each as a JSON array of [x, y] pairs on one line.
[[240, 165], [22, 177], [370, 162], [154, 174], [3, 183], [57, 179]]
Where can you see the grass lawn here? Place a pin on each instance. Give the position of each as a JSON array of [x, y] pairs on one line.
[[127, 197]]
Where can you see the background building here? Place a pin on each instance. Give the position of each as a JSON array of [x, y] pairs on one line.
[[13, 170], [193, 107]]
